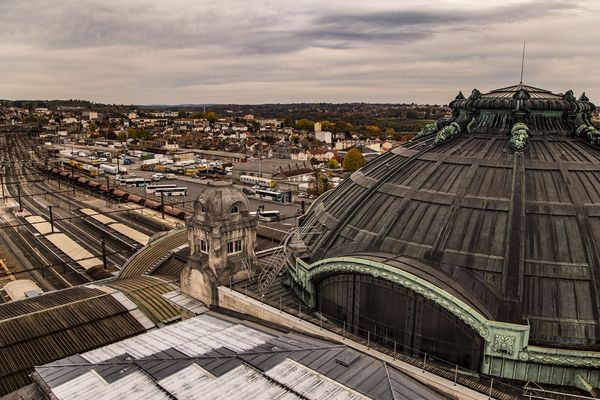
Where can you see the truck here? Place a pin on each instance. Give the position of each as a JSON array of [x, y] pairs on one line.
[[111, 169]]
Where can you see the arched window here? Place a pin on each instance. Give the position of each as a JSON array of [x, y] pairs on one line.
[[202, 208], [235, 210]]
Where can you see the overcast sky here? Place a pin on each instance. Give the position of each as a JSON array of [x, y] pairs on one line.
[[258, 51]]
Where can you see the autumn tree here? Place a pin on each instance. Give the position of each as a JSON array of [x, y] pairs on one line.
[[305, 124], [211, 116], [333, 164], [353, 161], [327, 125]]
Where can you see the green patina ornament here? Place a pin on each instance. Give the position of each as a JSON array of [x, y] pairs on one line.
[[427, 130], [589, 132], [519, 135], [447, 132]]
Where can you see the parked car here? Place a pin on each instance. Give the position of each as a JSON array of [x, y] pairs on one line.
[[157, 177], [170, 176]]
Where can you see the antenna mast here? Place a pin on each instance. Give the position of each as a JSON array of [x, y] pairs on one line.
[[522, 62]]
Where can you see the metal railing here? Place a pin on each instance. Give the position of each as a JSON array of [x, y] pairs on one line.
[[532, 390]]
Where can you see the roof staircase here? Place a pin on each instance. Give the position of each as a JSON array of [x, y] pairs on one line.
[[273, 266]]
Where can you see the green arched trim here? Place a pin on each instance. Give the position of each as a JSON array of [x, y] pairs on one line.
[[503, 341], [470, 316]]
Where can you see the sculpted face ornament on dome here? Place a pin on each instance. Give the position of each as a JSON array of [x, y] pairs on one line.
[[519, 135]]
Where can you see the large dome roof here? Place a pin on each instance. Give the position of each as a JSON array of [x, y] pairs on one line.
[[516, 230]]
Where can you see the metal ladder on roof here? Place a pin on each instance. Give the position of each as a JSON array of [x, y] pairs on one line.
[[278, 259]]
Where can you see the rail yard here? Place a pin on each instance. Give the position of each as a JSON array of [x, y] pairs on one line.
[[62, 228]]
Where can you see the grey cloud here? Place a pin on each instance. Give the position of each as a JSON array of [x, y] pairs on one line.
[[145, 51], [79, 24]]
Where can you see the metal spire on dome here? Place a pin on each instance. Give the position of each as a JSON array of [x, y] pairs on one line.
[[522, 63]]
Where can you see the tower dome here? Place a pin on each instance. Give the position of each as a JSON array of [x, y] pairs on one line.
[[222, 237]]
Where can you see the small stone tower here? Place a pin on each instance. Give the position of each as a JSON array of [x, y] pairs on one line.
[[222, 237]]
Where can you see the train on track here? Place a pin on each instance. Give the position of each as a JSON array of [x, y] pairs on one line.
[[116, 193]]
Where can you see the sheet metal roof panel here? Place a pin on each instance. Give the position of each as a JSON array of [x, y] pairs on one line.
[[309, 383], [195, 336], [186, 302], [240, 383], [408, 388], [91, 385]]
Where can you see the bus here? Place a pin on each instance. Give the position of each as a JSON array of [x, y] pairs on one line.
[[151, 188], [133, 182], [176, 191], [267, 216], [255, 180], [277, 197]]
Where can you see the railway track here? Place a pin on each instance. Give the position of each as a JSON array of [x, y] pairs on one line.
[[18, 240], [35, 196]]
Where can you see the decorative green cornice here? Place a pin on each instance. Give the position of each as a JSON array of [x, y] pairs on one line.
[[502, 340]]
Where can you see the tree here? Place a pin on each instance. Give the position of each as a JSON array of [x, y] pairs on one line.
[[93, 126], [319, 183], [211, 116], [305, 124], [374, 129], [122, 136], [353, 161], [333, 164], [327, 125]]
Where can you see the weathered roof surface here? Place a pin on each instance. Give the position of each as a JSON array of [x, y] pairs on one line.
[[152, 254], [54, 325], [509, 92], [171, 267], [146, 292], [517, 232], [210, 357]]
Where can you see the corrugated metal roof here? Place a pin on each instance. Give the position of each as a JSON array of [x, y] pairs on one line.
[[92, 386], [186, 302], [192, 337], [146, 292], [310, 384], [242, 382], [212, 358], [55, 325]]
